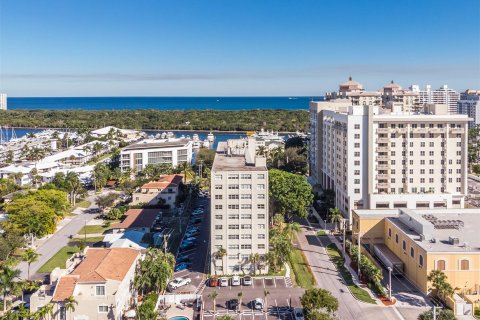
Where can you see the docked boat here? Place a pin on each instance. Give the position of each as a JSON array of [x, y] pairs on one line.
[[210, 137]]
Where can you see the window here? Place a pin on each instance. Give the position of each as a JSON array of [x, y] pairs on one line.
[[412, 252], [246, 206], [389, 232], [232, 196], [260, 187], [218, 196], [420, 260], [233, 186], [218, 216], [246, 216], [233, 216], [357, 190], [246, 176], [404, 245], [233, 236], [246, 196], [233, 177], [218, 177], [246, 187], [261, 236], [218, 227], [464, 264], [246, 226], [99, 290], [246, 246], [218, 187], [261, 246], [396, 238], [247, 236], [102, 309], [233, 246], [233, 226], [260, 206], [441, 265], [260, 216], [357, 126], [356, 136], [233, 206], [261, 176], [218, 237], [261, 226], [261, 196]]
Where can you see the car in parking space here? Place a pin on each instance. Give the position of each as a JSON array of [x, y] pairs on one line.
[[190, 239], [183, 259], [223, 282], [179, 282], [196, 221], [235, 281], [213, 282], [247, 281], [298, 314], [232, 304], [190, 234], [197, 213], [257, 304], [187, 246], [182, 266]]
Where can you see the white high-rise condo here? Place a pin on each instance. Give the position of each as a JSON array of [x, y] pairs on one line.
[[239, 207], [376, 152], [3, 101], [443, 95], [469, 104]]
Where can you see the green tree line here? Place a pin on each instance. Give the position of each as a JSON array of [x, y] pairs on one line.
[[242, 120]]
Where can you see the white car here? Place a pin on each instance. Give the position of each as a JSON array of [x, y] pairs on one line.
[[247, 281], [298, 314], [258, 304], [235, 281], [223, 282], [179, 282]]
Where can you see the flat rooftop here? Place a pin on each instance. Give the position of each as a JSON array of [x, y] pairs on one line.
[[151, 144], [440, 224], [224, 162]]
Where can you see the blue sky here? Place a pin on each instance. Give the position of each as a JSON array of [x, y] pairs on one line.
[[233, 48]]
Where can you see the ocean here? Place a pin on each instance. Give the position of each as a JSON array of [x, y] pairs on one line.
[[161, 103]]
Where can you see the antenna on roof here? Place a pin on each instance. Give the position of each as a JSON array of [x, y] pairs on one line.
[[350, 78]]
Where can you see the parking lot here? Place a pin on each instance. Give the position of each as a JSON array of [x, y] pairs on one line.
[[280, 298], [197, 255]]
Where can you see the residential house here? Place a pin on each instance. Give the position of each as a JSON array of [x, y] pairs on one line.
[[164, 190], [137, 219]]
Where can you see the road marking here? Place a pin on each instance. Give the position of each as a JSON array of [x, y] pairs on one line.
[[263, 279], [274, 282], [398, 313]]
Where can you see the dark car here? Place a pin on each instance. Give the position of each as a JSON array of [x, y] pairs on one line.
[[232, 304], [196, 221]]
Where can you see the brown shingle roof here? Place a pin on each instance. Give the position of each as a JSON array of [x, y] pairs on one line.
[[64, 288], [137, 218]]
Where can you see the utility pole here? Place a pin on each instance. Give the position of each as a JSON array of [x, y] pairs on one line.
[[344, 227], [359, 256], [389, 283]]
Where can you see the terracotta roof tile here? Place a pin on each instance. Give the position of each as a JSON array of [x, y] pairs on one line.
[[64, 288], [172, 180]]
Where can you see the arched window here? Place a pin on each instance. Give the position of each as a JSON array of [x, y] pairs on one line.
[[441, 265], [412, 252], [464, 264], [420, 260], [396, 238], [404, 245], [389, 232]]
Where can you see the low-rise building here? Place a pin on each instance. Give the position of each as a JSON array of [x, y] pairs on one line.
[[137, 156], [20, 174], [164, 191], [137, 219], [100, 283], [425, 240]]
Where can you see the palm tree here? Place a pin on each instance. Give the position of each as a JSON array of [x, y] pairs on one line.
[[265, 294], [254, 258], [335, 217], [36, 154], [240, 296], [214, 296], [291, 229], [49, 309], [187, 170], [222, 252], [70, 304], [74, 185], [16, 177], [30, 256], [262, 151], [7, 281]]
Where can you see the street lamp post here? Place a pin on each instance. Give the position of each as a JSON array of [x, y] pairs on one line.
[[359, 256], [389, 283], [344, 227]]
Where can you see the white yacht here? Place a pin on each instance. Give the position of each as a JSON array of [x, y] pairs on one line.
[[210, 137]]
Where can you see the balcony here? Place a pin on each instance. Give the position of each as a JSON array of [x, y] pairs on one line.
[[420, 130], [457, 130], [401, 130], [383, 166], [437, 130], [383, 185], [383, 158], [383, 130], [383, 176], [383, 140], [385, 148]]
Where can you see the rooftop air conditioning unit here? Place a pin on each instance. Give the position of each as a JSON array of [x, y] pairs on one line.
[[453, 240]]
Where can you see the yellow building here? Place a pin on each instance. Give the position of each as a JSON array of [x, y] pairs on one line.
[[426, 240]]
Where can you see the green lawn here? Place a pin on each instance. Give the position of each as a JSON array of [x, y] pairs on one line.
[[83, 204], [59, 259], [338, 260], [321, 233], [301, 270], [89, 240], [95, 229]]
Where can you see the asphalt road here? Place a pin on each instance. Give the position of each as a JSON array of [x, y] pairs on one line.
[[327, 277]]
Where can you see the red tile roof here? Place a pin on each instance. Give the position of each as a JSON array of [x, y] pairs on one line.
[[172, 180], [64, 288], [137, 218]]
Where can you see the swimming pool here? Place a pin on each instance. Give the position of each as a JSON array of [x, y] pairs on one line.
[[179, 318]]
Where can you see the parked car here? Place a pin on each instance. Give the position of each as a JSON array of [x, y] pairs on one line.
[[247, 281], [179, 282], [187, 246], [223, 282], [183, 259], [298, 314], [235, 281], [197, 213], [213, 282], [232, 304], [190, 239], [258, 304], [182, 266], [196, 221]]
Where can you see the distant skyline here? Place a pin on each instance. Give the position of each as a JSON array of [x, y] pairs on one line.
[[234, 48]]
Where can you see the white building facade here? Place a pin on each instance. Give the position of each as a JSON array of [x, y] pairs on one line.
[[3, 101], [137, 156], [375, 157], [239, 208], [469, 104], [443, 95]]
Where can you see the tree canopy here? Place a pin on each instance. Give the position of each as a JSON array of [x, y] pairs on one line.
[[318, 304], [289, 193]]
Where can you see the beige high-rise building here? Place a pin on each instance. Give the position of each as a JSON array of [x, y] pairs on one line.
[[239, 207], [387, 156]]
